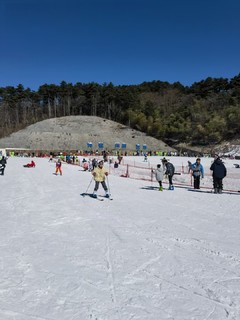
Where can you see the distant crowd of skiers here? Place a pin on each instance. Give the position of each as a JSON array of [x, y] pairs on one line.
[[99, 173]]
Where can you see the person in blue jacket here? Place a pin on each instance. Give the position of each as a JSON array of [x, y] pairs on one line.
[[197, 173]]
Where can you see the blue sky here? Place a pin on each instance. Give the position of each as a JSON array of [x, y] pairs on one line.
[[119, 41]]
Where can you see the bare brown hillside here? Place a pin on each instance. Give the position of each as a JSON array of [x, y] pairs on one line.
[[74, 132]]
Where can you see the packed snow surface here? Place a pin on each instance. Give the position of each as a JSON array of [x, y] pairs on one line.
[[145, 255]]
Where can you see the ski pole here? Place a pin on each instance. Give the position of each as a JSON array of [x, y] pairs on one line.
[[89, 185], [108, 186]]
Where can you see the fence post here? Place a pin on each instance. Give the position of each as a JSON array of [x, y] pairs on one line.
[[127, 173]]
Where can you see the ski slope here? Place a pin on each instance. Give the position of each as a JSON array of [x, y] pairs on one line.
[[146, 255]]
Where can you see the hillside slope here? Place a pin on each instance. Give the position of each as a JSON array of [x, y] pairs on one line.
[[74, 132]]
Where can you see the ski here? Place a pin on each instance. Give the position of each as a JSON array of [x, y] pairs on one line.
[[109, 198], [91, 196], [97, 199]]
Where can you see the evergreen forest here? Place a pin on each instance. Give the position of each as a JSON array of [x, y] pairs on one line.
[[207, 112]]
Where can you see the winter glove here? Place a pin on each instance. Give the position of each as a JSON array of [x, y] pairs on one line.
[[94, 174], [106, 173]]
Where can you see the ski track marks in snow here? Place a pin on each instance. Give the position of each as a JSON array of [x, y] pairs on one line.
[[110, 271]]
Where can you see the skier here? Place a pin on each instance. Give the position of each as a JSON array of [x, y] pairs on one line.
[[3, 163], [159, 176], [32, 164], [99, 173], [94, 163], [105, 155], [58, 167], [189, 166], [85, 166], [170, 170], [219, 172], [197, 173]]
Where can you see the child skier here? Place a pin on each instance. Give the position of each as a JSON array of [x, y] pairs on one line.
[[59, 167], [99, 173], [159, 176]]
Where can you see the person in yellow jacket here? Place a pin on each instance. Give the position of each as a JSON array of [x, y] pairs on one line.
[[99, 173]]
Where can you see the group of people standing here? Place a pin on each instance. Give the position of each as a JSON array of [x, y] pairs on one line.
[[168, 169], [218, 169], [196, 169]]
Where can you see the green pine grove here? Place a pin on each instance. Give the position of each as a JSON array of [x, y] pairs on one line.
[[205, 113]]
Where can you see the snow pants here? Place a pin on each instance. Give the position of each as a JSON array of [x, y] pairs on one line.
[[217, 183], [103, 183], [196, 182], [170, 180], [59, 169]]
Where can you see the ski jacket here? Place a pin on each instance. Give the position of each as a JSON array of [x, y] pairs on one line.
[[58, 164], [197, 170], [218, 168], [85, 166], [158, 174], [170, 169], [3, 162], [99, 174], [31, 165]]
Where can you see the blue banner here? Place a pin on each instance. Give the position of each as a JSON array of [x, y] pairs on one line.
[[117, 145], [100, 145]]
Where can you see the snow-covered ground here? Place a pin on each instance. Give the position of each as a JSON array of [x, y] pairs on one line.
[[146, 255]]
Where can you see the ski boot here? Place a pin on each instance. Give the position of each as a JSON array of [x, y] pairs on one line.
[[171, 187], [161, 188], [94, 195]]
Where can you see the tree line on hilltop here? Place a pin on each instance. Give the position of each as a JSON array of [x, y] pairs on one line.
[[204, 113]]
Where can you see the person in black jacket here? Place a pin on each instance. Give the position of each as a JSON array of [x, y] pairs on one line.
[[219, 172], [169, 171], [3, 163]]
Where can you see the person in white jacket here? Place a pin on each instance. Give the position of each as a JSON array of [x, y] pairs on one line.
[[159, 176]]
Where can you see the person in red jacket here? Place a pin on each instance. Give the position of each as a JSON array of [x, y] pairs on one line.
[[30, 165]]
